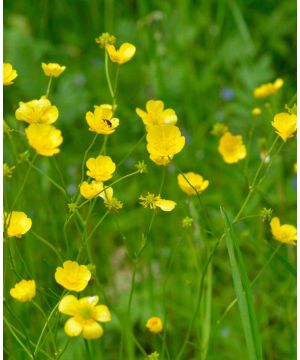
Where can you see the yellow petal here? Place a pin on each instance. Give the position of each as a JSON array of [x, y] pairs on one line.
[[165, 205], [68, 305], [92, 330], [102, 313], [73, 327]]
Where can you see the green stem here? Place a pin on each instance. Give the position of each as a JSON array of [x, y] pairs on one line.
[[48, 178], [131, 150], [47, 243], [49, 87], [109, 80], [23, 184]]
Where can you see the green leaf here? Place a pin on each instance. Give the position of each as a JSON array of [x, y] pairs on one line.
[[243, 293]]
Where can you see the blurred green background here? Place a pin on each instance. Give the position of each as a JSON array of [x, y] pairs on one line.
[[202, 58]]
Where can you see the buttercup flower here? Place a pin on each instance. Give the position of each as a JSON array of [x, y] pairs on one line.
[[44, 138], [267, 89], [153, 201], [121, 56], [9, 74], [23, 291], [192, 183], [18, 223], [100, 168], [90, 190], [256, 111], [283, 233], [231, 148], [85, 316], [53, 69], [156, 115], [285, 125], [73, 276], [154, 325], [37, 111], [163, 142], [102, 121]]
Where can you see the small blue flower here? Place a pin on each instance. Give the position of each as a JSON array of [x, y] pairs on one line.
[[227, 94]]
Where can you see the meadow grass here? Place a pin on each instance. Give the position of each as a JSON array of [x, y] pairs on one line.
[[223, 287]]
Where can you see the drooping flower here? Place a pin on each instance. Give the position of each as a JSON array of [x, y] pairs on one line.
[[156, 114], [9, 74], [267, 89], [284, 233], [285, 125], [100, 168], [85, 316], [101, 120], [164, 142], [121, 56], [18, 223], [192, 183], [153, 201], [154, 325], [231, 148], [73, 276], [53, 69], [44, 138], [37, 111], [24, 290], [90, 190]]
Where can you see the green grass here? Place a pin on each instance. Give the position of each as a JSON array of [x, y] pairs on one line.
[[188, 52]]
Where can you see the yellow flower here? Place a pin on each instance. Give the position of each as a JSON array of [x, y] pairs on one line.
[[164, 142], [192, 183], [156, 115], [73, 276], [37, 111], [154, 325], [100, 168], [267, 89], [9, 74], [102, 121], [18, 223], [285, 125], [153, 201], [256, 111], [121, 56], [90, 190], [53, 69], [44, 138], [283, 233], [23, 291], [85, 316], [231, 148], [111, 203]]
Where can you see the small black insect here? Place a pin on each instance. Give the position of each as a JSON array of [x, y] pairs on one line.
[[108, 122]]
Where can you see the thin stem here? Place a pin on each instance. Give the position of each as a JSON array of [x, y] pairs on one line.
[[23, 184], [131, 150], [108, 79], [47, 243], [49, 87], [48, 177]]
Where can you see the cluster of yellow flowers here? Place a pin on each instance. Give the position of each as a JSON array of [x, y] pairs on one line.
[[164, 141]]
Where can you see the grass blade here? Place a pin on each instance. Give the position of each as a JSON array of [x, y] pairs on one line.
[[243, 293]]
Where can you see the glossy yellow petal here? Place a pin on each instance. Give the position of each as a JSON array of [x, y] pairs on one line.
[[102, 313], [24, 290], [53, 69], [73, 327], [18, 223], [100, 168], [9, 74], [154, 325], [231, 148], [165, 205], [69, 305], [92, 330]]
